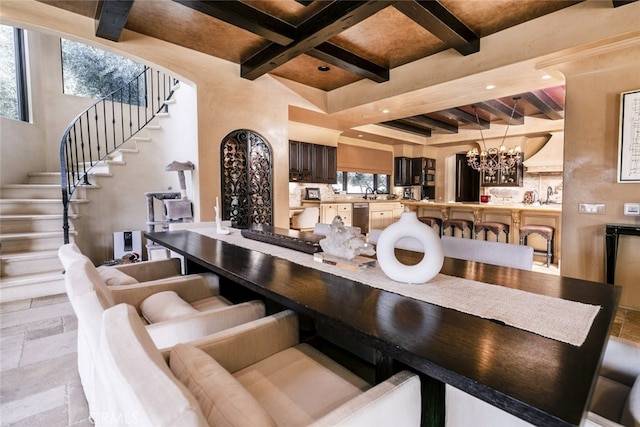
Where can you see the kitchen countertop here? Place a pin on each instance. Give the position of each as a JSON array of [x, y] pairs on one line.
[[355, 200], [553, 207]]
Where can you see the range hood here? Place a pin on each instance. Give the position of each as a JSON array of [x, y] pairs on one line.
[[549, 158]]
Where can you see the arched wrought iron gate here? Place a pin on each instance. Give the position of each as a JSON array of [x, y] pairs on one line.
[[247, 179]]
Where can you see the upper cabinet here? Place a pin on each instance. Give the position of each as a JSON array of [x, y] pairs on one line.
[[510, 178], [402, 171], [312, 163]]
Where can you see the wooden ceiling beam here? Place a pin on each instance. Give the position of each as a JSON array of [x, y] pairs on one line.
[[329, 22], [502, 111], [544, 103], [406, 127], [436, 19], [618, 3], [246, 17], [466, 118], [111, 17], [430, 122], [341, 58]]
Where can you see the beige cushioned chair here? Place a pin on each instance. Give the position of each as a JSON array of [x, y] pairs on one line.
[[306, 219], [615, 401], [256, 374], [206, 312]]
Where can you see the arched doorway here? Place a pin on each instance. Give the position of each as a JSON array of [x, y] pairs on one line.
[[247, 179]]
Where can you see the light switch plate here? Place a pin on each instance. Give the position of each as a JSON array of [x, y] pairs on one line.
[[591, 208], [632, 209]]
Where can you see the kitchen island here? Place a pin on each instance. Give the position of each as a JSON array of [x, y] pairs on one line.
[[515, 215]]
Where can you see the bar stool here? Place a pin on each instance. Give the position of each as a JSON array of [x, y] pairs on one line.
[[431, 221], [545, 231], [461, 224], [495, 227]]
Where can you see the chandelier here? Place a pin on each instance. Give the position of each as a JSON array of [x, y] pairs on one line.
[[492, 160]]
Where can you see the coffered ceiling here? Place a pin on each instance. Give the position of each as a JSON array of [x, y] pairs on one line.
[[330, 44]]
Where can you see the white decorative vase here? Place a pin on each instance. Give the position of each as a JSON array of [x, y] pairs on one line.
[[410, 227]]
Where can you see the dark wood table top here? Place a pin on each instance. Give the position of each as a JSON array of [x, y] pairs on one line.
[[540, 380]]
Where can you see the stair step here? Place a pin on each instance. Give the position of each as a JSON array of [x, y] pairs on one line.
[[153, 127], [27, 242], [175, 86], [44, 178], [37, 206], [31, 191], [142, 138], [33, 223], [163, 115], [31, 286], [25, 263], [169, 101]]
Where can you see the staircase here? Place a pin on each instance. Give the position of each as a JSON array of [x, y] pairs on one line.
[[30, 235]]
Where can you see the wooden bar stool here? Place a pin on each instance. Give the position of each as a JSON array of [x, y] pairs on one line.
[[431, 221], [460, 224], [545, 231], [496, 228]]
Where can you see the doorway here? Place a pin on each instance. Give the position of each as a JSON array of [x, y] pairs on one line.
[[247, 179]]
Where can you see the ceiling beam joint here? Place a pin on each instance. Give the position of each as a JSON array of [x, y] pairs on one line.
[[437, 19]]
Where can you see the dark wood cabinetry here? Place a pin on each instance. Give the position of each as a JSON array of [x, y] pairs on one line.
[[510, 178], [416, 171], [312, 163], [402, 171]]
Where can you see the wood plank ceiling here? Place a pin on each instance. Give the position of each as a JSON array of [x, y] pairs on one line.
[[330, 44]]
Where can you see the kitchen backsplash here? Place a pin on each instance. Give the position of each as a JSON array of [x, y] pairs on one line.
[[537, 183], [297, 192]]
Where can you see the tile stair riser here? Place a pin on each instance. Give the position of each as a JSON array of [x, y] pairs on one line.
[[32, 192], [25, 265], [32, 224], [32, 244], [34, 207], [20, 291], [45, 178]]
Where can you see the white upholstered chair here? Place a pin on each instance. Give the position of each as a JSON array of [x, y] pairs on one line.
[[178, 309], [306, 219], [257, 374], [616, 398], [615, 401]]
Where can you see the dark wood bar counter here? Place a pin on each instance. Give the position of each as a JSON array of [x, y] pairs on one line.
[[540, 380]]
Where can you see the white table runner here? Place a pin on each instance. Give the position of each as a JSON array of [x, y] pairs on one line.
[[555, 318]]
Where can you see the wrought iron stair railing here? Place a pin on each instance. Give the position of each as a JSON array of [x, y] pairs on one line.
[[106, 125]]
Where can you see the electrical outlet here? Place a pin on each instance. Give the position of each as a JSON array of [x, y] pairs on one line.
[[632, 209], [591, 208]]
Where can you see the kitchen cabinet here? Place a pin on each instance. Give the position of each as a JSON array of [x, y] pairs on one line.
[[328, 212], [381, 215], [418, 171], [402, 171], [300, 159], [324, 164], [509, 178], [312, 163]]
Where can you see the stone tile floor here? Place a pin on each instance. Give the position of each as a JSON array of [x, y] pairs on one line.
[[39, 382]]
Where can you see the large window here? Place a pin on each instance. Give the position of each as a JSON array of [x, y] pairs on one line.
[[359, 183], [13, 75], [94, 73]]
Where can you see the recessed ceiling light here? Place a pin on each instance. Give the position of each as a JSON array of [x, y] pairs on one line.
[[546, 77], [324, 68], [386, 111], [359, 135], [489, 87]]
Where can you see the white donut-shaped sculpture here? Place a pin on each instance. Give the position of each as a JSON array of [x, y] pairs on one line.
[[410, 226]]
